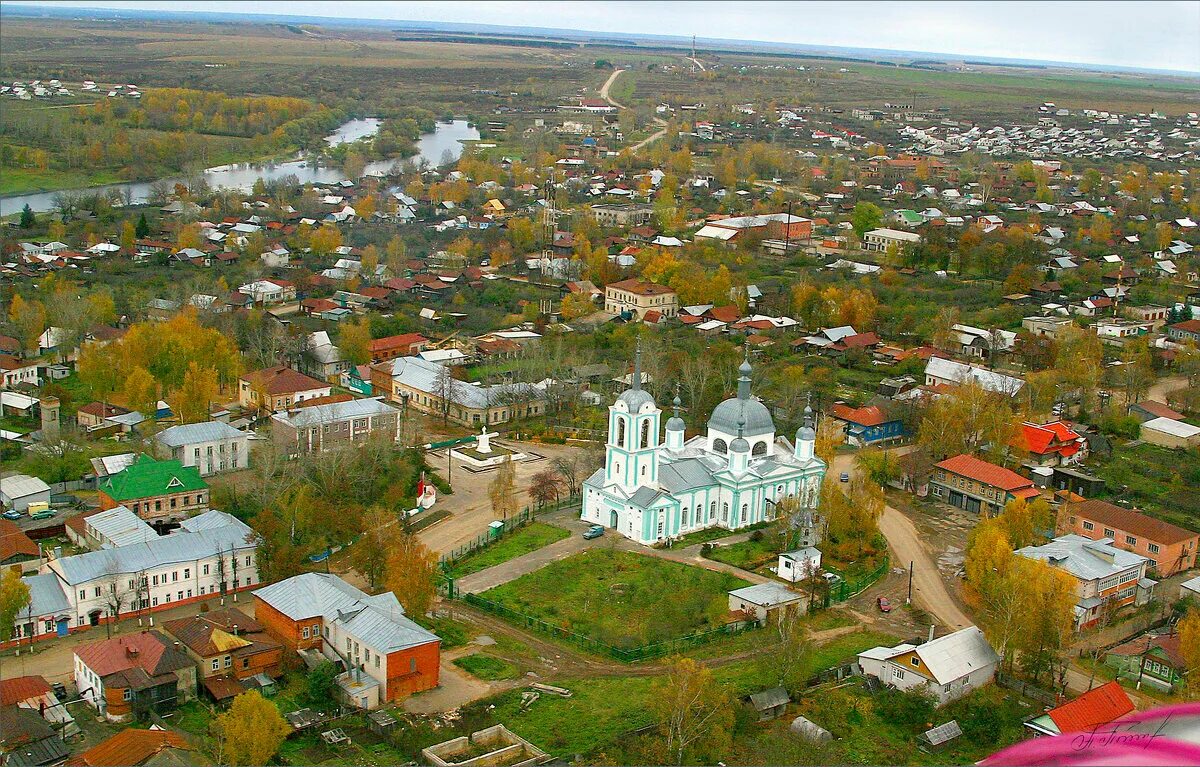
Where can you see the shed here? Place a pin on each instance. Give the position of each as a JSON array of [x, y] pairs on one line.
[[381, 722], [762, 599], [810, 730], [941, 734], [1166, 432], [20, 490], [770, 704]]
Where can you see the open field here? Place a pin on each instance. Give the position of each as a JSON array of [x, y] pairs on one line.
[[633, 590]]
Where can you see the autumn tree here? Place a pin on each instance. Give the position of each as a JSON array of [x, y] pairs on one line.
[[545, 486], [128, 237], [14, 596], [502, 490], [968, 420], [412, 571], [369, 554], [192, 400], [251, 731], [576, 305], [325, 239], [141, 391], [395, 256], [370, 262], [1189, 647], [189, 237], [786, 663], [694, 713], [28, 317], [865, 217], [354, 341]]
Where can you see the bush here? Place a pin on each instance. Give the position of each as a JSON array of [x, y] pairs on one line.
[[911, 709], [757, 536], [319, 684]]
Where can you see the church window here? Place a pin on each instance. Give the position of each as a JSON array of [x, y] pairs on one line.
[[646, 433], [699, 513], [724, 512], [712, 511], [620, 432], [719, 446], [643, 470], [684, 521], [760, 448], [745, 509]]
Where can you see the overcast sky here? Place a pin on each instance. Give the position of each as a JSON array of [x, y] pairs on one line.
[[1153, 35]]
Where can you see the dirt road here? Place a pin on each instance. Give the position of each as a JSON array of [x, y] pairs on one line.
[[657, 120], [929, 590]]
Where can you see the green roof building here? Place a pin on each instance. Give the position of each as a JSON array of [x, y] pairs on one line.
[[161, 490]]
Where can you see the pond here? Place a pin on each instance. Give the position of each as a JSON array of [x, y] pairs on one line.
[[447, 137]]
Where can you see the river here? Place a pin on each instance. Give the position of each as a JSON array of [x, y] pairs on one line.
[[431, 147]]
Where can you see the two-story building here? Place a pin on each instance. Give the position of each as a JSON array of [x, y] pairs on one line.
[[15, 371], [322, 359], [163, 491], [879, 240], [1106, 578], [975, 485], [1049, 444], [636, 297], [431, 388], [1169, 548], [386, 655], [314, 428], [622, 215], [211, 447], [1188, 330], [212, 553], [278, 388], [269, 292], [134, 676], [231, 650]]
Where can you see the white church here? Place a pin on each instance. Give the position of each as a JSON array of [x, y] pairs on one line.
[[731, 477]]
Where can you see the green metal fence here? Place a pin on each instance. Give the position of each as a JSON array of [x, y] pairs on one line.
[[627, 655], [846, 588]]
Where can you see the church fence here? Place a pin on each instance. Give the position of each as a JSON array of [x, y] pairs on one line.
[[488, 537], [845, 589], [626, 655]]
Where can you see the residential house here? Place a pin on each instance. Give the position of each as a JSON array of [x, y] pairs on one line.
[[948, 667], [429, 387], [163, 491], [1167, 432], [1106, 578], [386, 656], [622, 215], [135, 747], [211, 447], [314, 428], [1049, 444], [16, 547], [782, 226], [27, 739], [975, 485], [1088, 713], [134, 675], [983, 344], [869, 425], [322, 359], [1171, 549], [15, 372], [941, 371], [1148, 410], [231, 650], [96, 415], [269, 292], [1188, 330], [391, 347], [278, 388], [636, 297], [1153, 659]]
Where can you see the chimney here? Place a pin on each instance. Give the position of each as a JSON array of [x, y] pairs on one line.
[[930, 633], [235, 629], [58, 552], [131, 652]]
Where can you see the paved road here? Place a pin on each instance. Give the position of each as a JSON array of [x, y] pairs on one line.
[[929, 590], [470, 507], [657, 120]]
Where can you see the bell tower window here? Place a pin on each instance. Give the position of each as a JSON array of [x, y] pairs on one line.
[[645, 433], [620, 432]]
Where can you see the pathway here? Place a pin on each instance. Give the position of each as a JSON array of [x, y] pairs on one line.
[[657, 120]]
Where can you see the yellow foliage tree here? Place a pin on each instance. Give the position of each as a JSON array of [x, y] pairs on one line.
[[29, 319], [1189, 647], [140, 391], [252, 730], [354, 341], [412, 574], [191, 401]]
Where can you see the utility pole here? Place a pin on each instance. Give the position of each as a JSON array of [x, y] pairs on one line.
[[787, 230], [908, 600], [693, 54]]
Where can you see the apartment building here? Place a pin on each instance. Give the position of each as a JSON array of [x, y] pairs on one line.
[[1169, 548], [638, 297], [1106, 578], [975, 485], [315, 428], [211, 448], [162, 491]]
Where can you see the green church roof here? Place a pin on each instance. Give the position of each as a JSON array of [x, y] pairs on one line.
[[147, 477]]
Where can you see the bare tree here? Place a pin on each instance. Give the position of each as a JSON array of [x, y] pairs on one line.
[[569, 468], [786, 663], [118, 589]]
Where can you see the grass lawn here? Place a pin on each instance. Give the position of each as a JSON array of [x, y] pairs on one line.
[[711, 534], [453, 633], [621, 598], [748, 555], [487, 667], [1161, 482], [517, 543]]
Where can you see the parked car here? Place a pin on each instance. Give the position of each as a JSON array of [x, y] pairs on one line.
[[844, 477], [595, 531], [13, 514], [885, 606], [45, 514]]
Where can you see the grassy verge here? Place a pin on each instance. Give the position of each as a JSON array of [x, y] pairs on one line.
[[515, 544], [747, 555], [487, 667]]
